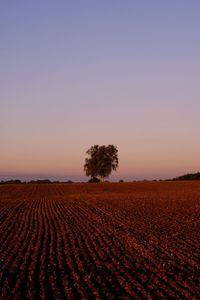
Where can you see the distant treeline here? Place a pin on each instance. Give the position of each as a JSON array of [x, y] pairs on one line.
[[16, 181], [40, 181], [190, 176]]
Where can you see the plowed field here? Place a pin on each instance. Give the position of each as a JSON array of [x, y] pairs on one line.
[[100, 241]]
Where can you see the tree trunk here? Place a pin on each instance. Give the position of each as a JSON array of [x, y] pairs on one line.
[[102, 179]]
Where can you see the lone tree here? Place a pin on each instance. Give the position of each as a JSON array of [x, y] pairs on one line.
[[102, 160]]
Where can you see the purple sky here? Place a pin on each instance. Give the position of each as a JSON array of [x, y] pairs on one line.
[[78, 73]]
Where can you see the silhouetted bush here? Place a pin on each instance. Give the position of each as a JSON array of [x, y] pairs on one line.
[[94, 180]]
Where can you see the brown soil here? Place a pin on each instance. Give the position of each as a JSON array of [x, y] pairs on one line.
[[100, 241]]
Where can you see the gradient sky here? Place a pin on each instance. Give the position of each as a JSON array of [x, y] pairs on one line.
[[78, 73]]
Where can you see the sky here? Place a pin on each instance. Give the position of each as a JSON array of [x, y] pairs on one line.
[[78, 73]]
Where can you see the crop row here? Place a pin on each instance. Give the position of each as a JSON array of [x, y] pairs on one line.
[[99, 242]]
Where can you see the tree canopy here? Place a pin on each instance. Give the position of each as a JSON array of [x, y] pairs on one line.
[[102, 161]]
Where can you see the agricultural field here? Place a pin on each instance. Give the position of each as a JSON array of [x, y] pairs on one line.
[[100, 241]]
